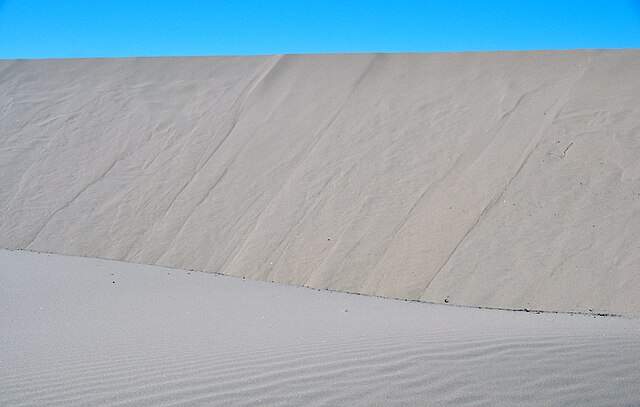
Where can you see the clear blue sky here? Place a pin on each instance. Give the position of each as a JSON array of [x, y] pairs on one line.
[[100, 28]]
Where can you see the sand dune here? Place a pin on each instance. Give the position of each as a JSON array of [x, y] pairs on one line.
[[502, 179], [79, 331]]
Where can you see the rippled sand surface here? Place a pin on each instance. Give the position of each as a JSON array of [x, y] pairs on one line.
[[88, 332]]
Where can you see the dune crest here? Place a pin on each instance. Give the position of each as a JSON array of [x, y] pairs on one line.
[[506, 180]]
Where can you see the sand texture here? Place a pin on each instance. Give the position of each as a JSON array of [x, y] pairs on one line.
[[488, 179], [88, 332]]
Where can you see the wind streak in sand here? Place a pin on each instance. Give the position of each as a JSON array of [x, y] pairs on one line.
[[79, 331]]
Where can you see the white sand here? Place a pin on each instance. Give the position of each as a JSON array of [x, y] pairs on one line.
[[501, 179], [69, 336]]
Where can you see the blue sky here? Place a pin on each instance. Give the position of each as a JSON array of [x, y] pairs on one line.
[[105, 28]]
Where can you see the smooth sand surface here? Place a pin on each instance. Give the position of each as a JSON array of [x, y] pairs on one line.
[[88, 332], [494, 179]]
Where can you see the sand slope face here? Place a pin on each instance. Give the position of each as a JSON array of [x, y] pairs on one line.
[[503, 179]]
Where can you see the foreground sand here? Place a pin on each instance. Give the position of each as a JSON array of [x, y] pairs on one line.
[[77, 331], [499, 179]]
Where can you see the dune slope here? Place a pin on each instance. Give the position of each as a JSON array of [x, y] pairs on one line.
[[501, 179], [88, 332]]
